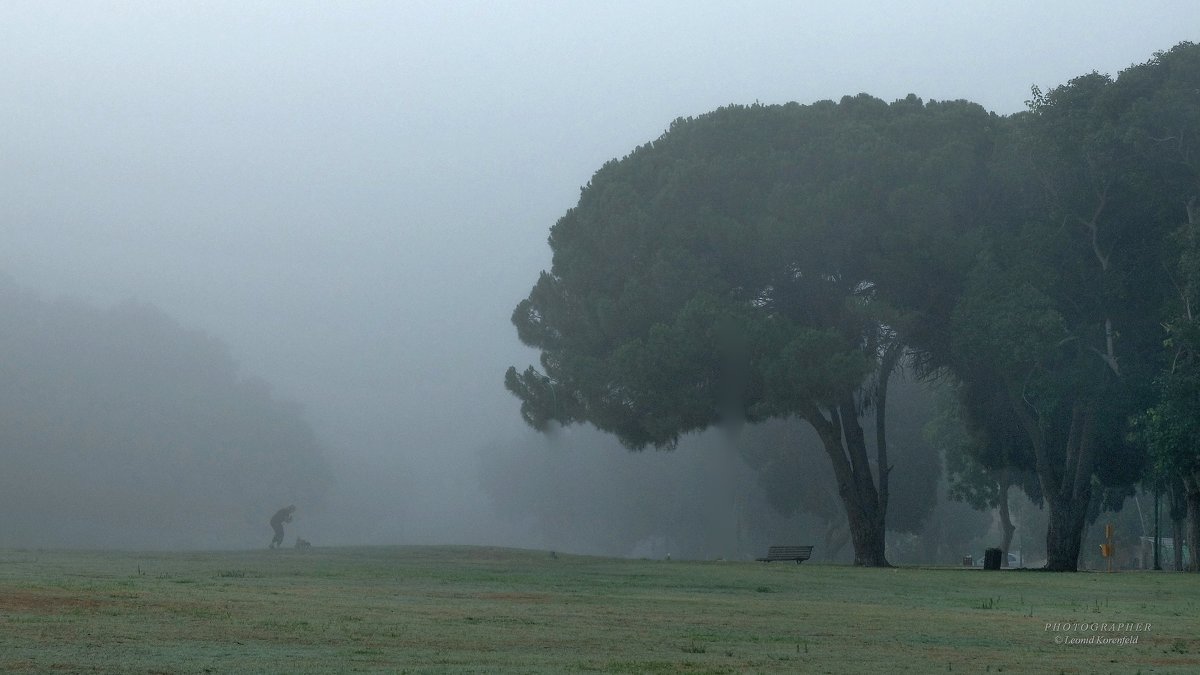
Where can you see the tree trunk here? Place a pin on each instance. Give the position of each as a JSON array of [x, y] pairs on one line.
[[1177, 544], [867, 535], [844, 443], [864, 517], [1177, 501], [842, 436], [1064, 534], [1066, 483], [1005, 517]]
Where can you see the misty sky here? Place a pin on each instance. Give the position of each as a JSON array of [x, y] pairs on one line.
[[354, 195]]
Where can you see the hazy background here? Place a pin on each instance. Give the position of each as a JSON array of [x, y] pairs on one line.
[[354, 196]]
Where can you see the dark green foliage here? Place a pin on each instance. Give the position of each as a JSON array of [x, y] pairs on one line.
[[779, 261], [1058, 333], [724, 272], [751, 264], [1166, 127], [1167, 130]]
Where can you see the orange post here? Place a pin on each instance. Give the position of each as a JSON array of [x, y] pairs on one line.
[[1106, 549]]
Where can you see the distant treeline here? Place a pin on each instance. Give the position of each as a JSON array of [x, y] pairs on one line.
[[120, 428]]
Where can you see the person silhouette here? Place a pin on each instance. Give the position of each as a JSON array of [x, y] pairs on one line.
[[281, 516]]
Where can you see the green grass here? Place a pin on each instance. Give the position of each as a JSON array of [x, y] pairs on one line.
[[463, 609]]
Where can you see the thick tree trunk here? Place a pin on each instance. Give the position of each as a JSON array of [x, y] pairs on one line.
[[863, 515], [842, 436], [1066, 482], [868, 536], [844, 443], [1064, 534]]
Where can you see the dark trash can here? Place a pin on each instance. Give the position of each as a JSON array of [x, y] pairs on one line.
[[991, 558]]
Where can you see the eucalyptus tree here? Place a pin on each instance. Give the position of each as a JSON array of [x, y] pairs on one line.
[[755, 263], [1060, 318], [1165, 131]]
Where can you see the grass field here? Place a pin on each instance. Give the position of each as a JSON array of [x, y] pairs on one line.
[[465, 609]]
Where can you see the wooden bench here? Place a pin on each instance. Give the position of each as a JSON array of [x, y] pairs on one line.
[[797, 553]]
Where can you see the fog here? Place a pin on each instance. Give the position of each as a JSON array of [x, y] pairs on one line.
[[352, 197]]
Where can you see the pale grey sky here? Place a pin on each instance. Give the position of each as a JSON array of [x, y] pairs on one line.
[[354, 195]]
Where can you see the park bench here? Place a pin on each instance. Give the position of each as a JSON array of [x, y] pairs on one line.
[[797, 553]]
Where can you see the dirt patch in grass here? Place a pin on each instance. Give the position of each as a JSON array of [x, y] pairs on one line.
[[516, 597], [25, 601]]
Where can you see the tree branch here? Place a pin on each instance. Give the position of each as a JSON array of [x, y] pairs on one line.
[[1046, 472], [1094, 229]]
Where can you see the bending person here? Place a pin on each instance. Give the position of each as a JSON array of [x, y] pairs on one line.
[[281, 516]]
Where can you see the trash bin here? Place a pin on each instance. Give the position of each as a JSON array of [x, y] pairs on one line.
[[991, 558], [968, 561]]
